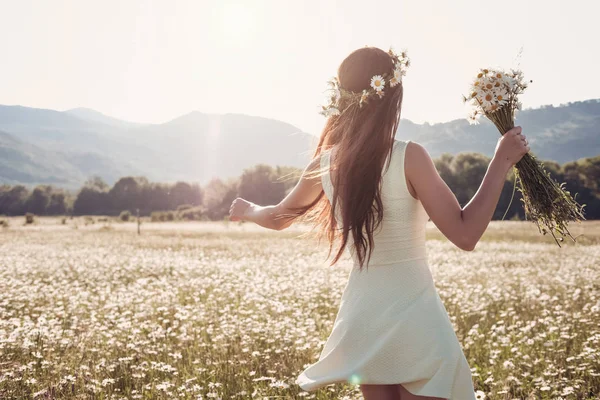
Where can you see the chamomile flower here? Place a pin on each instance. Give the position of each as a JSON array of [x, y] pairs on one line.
[[508, 81], [501, 97], [473, 118], [397, 76], [364, 97], [377, 83], [475, 92], [488, 84], [517, 74], [486, 101], [336, 95], [331, 111]]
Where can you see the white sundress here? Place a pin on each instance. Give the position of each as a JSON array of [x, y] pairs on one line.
[[391, 326]]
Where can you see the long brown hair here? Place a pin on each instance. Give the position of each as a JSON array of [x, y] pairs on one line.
[[364, 138]]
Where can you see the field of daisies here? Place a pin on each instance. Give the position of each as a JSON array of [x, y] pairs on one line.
[[234, 311]]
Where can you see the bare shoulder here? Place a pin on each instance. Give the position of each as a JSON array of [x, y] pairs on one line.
[[315, 163], [416, 156], [419, 169], [312, 171]]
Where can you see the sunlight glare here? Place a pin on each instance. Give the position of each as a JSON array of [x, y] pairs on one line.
[[237, 23]]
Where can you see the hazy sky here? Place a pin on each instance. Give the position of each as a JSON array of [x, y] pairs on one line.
[[151, 61]]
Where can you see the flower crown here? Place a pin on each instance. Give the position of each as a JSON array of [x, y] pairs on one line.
[[337, 93]]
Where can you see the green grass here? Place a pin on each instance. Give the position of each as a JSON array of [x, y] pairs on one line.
[[232, 310]]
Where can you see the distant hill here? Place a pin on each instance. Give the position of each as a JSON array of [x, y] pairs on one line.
[[95, 116], [564, 133], [26, 163], [65, 148], [194, 147], [23, 162]]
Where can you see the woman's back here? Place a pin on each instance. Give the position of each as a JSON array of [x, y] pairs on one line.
[[392, 326], [401, 234]]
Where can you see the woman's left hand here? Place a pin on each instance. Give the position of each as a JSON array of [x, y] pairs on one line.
[[238, 209]]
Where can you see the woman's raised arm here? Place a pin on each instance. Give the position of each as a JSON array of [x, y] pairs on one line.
[[304, 193], [463, 226]]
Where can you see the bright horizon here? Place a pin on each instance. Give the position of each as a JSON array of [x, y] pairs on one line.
[[150, 62]]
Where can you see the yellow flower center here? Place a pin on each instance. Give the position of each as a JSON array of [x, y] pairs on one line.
[[489, 86], [500, 97], [377, 83], [485, 71], [473, 94], [498, 75], [488, 97], [480, 75]]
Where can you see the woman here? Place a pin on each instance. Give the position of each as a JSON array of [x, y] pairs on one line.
[[392, 334]]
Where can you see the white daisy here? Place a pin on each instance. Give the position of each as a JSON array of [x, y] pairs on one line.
[[473, 120], [333, 82], [487, 101], [475, 91], [331, 111], [324, 112], [404, 57], [363, 97], [487, 83], [501, 96], [377, 83], [397, 77], [517, 74], [508, 81], [336, 95]]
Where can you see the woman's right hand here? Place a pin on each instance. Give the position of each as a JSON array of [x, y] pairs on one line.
[[238, 209], [512, 146]]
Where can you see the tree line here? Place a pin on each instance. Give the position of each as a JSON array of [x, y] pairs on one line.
[[265, 185]]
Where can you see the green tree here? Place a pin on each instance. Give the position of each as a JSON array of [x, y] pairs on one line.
[[184, 193], [155, 197], [97, 183], [93, 198], [12, 199], [57, 204], [443, 164], [218, 196], [469, 170], [289, 176], [260, 185], [38, 201], [578, 184], [126, 193]]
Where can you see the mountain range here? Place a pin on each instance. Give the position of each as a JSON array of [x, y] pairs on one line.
[[64, 148]]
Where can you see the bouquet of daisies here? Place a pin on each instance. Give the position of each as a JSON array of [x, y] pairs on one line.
[[494, 94]]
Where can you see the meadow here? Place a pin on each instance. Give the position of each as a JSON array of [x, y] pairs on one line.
[[205, 310]]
